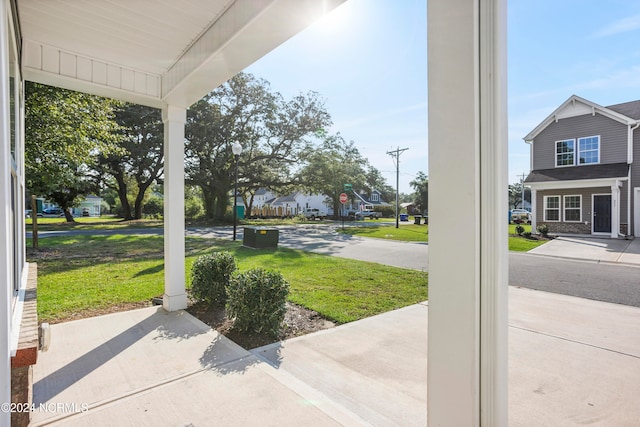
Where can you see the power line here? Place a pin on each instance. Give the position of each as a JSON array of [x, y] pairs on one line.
[[396, 159]]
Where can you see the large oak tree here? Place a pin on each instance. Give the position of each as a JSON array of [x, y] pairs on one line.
[[275, 135]]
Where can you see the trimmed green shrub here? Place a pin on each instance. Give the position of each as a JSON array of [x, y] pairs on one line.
[[210, 276], [519, 229], [527, 234], [543, 229], [257, 301]]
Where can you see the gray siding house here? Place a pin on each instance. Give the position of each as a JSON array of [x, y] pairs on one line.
[[583, 176]]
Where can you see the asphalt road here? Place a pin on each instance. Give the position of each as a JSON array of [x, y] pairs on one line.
[[618, 284], [603, 282]]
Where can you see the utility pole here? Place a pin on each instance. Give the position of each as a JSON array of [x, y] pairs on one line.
[[396, 158], [522, 188]]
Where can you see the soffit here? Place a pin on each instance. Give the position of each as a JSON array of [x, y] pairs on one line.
[[154, 52]]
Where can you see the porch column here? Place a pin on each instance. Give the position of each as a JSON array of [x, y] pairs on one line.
[[175, 297], [467, 336], [5, 221], [534, 210], [615, 210]]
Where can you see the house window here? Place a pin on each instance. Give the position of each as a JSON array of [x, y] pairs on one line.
[[565, 152], [552, 208], [375, 197], [573, 208], [589, 150]]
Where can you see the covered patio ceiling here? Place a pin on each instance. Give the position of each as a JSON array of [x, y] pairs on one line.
[[154, 52]]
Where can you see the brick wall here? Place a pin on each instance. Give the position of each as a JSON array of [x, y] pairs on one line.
[[27, 352]]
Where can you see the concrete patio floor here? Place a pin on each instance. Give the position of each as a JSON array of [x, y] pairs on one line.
[[571, 361]]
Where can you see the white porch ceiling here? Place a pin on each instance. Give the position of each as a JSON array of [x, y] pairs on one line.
[[154, 52]]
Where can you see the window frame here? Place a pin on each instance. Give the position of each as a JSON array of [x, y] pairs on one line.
[[573, 140], [564, 208], [545, 208], [582, 139]]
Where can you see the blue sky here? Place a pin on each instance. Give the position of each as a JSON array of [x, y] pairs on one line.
[[368, 60]]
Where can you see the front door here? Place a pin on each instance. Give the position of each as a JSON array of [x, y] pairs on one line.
[[602, 214]]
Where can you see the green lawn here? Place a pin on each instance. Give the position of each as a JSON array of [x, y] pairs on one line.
[[84, 273], [405, 232], [420, 233]]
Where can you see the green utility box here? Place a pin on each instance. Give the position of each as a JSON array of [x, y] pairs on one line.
[[240, 212], [260, 238]]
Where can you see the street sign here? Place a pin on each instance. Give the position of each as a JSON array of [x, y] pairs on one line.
[[343, 198], [348, 187]]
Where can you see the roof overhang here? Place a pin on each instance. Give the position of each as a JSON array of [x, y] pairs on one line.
[[582, 183], [577, 106], [154, 53]]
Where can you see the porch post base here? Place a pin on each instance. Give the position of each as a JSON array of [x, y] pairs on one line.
[[174, 302]]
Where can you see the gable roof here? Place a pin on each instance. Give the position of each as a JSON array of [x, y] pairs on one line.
[[629, 109], [290, 198], [577, 106]]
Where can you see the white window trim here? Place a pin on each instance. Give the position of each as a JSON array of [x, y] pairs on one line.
[[555, 152], [577, 157], [564, 207], [544, 209]]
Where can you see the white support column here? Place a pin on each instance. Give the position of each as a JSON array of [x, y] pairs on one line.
[[615, 210], [175, 297], [467, 336], [6, 264]]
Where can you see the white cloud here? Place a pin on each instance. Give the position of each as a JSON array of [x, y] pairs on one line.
[[624, 25]]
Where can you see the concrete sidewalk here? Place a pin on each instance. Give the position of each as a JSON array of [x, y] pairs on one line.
[[593, 249], [571, 361]]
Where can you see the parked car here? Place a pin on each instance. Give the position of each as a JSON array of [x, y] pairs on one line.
[[312, 214], [368, 214], [519, 216], [52, 212]]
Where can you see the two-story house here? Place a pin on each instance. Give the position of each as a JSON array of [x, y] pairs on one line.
[[583, 176]]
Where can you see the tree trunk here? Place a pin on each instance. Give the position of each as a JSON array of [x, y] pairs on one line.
[[222, 202], [209, 202], [122, 196], [67, 215], [139, 203]]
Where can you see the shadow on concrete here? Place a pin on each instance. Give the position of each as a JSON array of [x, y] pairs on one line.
[[56, 382]]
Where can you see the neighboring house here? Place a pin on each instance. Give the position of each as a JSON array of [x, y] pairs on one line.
[[585, 169], [90, 206], [295, 203], [375, 199], [261, 197]]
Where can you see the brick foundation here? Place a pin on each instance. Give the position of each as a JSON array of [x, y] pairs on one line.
[[27, 352], [568, 227]]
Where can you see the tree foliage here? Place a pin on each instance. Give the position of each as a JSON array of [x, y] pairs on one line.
[[420, 186], [334, 163], [515, 195], [274, 133], [64, 133], [141, 156]]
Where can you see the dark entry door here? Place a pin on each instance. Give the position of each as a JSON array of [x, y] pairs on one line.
[[602, 214]]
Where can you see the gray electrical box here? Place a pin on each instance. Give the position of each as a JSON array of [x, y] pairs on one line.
[[259, 237]]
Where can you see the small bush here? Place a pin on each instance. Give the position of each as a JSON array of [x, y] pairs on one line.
[[527, 234], [543, 229], [257, 301], [520, 230], [210, 276]]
